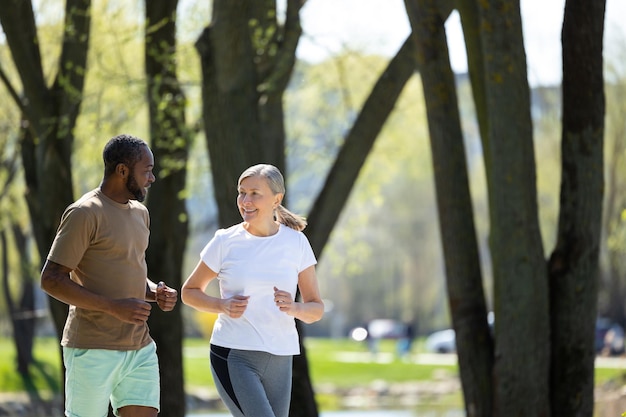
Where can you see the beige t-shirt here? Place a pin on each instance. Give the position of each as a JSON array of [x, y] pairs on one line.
[[104, 243]]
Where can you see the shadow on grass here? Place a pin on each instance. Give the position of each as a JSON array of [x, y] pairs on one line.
[[49, 374], [40, 371]]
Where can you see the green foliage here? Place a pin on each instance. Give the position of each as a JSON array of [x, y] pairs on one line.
[[114, 98]]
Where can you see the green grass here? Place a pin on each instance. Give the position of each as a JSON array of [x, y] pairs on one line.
[[347, 363], [330, 362], [604, 375], [45, 372]]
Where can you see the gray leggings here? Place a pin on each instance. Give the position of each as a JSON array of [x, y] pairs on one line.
[[252, 383]]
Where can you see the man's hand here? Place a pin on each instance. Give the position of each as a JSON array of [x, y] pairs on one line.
[[166, 297], [131, 310]]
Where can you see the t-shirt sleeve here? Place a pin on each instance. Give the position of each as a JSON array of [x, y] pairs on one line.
[[211, 254], [72, 238], [308, 257]]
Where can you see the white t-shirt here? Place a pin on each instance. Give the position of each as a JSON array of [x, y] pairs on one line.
[[252, 266]]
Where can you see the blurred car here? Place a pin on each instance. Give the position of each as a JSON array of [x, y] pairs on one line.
[[443, 341], [609, 338], [385, 329]]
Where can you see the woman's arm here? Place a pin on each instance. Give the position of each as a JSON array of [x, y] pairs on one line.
[[193, 294]]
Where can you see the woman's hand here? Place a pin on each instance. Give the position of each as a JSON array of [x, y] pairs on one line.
[[284, 302], [235, 306]]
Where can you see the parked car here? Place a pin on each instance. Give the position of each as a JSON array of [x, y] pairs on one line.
[[609, 338], [443, 341], [385, 329]]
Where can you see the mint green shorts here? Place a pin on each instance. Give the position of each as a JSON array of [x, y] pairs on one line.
[[96, 376]]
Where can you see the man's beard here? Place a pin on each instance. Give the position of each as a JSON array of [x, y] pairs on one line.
[[134, 188]]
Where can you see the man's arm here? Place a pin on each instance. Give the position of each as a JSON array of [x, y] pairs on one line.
[[56, 281]]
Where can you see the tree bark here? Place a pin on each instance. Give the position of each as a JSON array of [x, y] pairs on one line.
[[22, 320], [521, 370], [170, 142], [573, 265], [466, 297], [23, 314], [247, 60], [470, 21]]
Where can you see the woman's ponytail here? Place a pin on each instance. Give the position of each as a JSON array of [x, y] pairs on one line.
[[289, 219]]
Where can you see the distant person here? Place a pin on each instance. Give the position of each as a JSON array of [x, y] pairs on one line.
[[373, 341], [97, 265], [405, 342], [259, 264]]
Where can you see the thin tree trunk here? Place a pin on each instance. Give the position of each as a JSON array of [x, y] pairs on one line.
[[22, 321], [470, 21], [522, 334], [24, 315], [170, 141], [574, 261], [463, 275]]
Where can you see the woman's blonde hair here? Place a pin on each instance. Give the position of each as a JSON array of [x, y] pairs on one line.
[[276, 183]]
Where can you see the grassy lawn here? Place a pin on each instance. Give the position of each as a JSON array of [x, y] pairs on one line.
[[347, 363], [343, 363], [45, 372]]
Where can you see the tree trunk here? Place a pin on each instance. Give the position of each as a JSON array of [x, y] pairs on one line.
[[24, 315], [231, 101], [521, 369], [470, 21], [49, 117], [169, 222], [463, 275], [302, 395], [573, 265]]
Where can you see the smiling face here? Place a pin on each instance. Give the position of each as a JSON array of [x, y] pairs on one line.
[[256, 202]]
